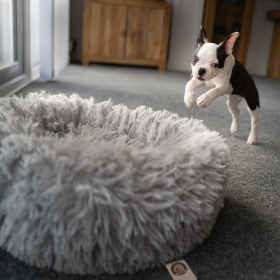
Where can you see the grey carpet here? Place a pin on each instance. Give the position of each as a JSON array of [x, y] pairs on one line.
[[245, 241]]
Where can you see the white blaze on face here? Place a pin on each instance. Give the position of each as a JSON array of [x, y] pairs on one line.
[[207, 56]]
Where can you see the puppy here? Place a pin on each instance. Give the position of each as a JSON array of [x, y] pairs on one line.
[[215, 66]]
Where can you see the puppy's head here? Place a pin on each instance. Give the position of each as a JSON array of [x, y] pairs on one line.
[[209, 58]]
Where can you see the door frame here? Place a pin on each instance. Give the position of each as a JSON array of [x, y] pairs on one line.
[[15, 84], [15, 68]]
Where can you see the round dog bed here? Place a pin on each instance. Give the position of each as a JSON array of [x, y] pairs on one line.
[[91, 187]]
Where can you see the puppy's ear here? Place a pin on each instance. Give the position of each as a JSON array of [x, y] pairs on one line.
[[201, 37], [227, 45]]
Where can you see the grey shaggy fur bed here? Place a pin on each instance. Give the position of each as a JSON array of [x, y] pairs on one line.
[[91, 187]]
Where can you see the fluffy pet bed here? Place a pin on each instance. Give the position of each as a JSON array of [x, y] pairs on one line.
[[91, 187]]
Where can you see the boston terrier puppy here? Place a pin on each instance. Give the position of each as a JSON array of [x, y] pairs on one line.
[[215, 66]]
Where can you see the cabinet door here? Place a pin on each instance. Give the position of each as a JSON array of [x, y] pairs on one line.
[[144, 33], [107, 30]]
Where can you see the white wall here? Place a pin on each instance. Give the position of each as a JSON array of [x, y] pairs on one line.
[[46, 39], [34, 32], [185, 26], [54, 37], [34, 39], [261, 36], [61, 34]]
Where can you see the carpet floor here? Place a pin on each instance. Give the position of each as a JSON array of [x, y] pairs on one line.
[[245, 241]]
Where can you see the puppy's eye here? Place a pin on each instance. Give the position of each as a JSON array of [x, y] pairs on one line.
[[215, 65], [195, 60]]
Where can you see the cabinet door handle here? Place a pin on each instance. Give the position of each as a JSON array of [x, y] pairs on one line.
[[124, 33]]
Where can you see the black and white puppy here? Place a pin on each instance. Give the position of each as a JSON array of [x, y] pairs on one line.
[[215, 66]]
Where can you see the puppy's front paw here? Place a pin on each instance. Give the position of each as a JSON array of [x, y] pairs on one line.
[[189, 100], [203, 101]]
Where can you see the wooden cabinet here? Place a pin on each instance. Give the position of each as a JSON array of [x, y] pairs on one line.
[[126, 32], [222, 17]]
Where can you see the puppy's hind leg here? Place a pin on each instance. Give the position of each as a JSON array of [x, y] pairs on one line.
[[233, 102], [254, 125]]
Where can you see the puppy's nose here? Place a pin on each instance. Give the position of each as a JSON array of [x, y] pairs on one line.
[[201, 71]]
